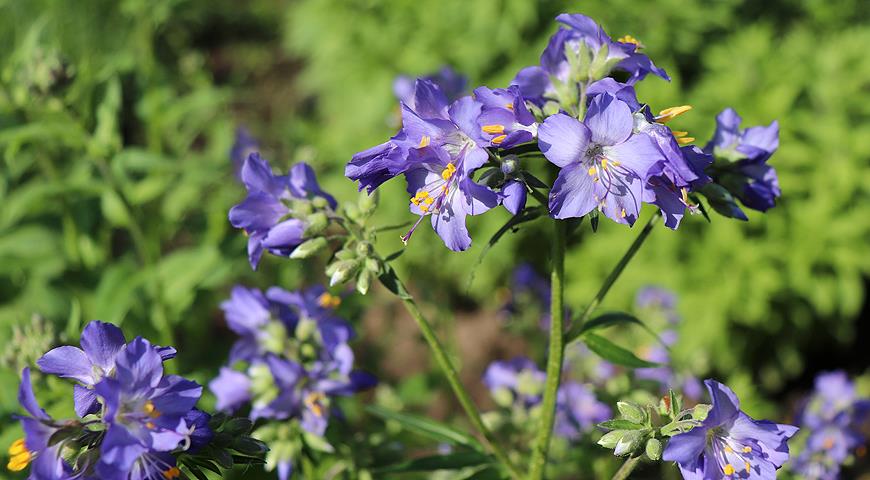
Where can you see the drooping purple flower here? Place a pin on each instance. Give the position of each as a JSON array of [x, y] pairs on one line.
[[577, 411], [243, 146], [448, 81], [267, 215], [505, 120], [603, 163], [536, 83], [749, 177], [101, 343], [145, 412], [728, 443], [45, 461], [515, 381]]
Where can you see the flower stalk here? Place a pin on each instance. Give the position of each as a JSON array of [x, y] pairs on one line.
[[555, 357], [626, 468]]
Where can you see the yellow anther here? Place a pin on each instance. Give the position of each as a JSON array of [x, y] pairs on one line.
[[748, 467], [172, 472], [679, 133], [424, 142], [604, 163], [493, 129], [591, 171], [497, 140], [509, 106], [728, 449], [19, 462], [629, 39], [429, 201], [17, 447], [424, 208], [448, 172], [312, 400], [622, 213], [685, 140], [828, 443], [328, 300], [670, 113], [150, 425], [747, 449], [685, 193], [150, 409], [728, 469]]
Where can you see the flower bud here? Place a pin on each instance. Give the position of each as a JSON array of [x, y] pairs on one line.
[[308, 248], [509, 164], [367, 202], [364, 249], [629, 442], [315, 224], [631, 412], [373, 266], [343, 271], [363, 281], [700, 411], [319, 203], [305, 328], [503, 397], [610, 439], [654, 449]]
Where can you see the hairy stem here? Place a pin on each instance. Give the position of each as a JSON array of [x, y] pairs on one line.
[[396, 286], [577, 325], [626, 468], [554, 359]]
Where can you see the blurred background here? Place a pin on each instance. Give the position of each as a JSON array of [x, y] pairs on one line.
[[117, 118]]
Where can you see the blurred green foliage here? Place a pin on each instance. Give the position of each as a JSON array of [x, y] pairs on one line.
[[116, 118]]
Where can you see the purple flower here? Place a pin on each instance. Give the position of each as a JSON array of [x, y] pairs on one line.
[[504, 120], [447, 80], [603, 163], [267, 214], [729, 443], [536, 84], [145, 412], [515, 381], [577, 411], [46, 461], [101, 343], [243, 146], [749, 177]]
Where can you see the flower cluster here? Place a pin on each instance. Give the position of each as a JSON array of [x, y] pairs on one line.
[[281, 212], [833, 416], [134, 420], [727, 443], [292, 357], [518, 385]]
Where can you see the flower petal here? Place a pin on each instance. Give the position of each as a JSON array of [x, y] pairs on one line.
[[563, 139], [609, 120], [101, 342], [573, 193], [67, 362]]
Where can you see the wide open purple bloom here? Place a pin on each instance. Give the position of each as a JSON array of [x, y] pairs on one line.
[[577, 411], [266, 214], [45, 461], [604, 164], [145, 412], [101, 342], [729, 444], [749, 178]]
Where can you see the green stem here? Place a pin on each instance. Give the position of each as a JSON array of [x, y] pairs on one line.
[[626, 468], [554, 359], [449, 370], [573, 335]]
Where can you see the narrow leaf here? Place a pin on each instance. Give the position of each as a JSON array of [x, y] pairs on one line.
[[611, 319], [451, 461], [426, 427], [524, 216], [617, 424], [613, 353]]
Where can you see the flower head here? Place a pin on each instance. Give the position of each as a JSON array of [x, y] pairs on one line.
[[728, 443], [577, 411], [275, 214], [448, 81], [515, 381], [33, 450], [604, 164]]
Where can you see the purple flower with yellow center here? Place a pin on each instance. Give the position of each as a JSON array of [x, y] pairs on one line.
[[101, 343], [536, 83], [728, 443], [577, 411], [45, 461], [749, 177], [243, 146], [505, 120], [603, 163], [267, 213], [145, 412]]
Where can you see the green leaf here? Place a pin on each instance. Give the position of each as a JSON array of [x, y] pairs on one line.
[[429, 428], [451, 461], [610, 319], [613, 353], [617, 424]]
